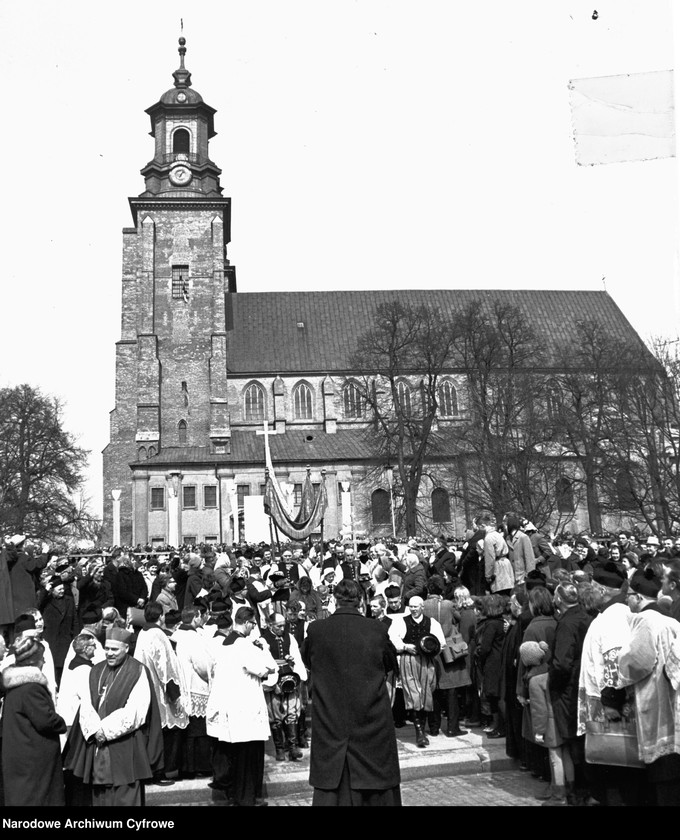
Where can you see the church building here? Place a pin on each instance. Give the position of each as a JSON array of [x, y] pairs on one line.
[[202, 369]]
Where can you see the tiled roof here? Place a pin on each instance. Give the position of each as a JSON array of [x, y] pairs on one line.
[[266, 337], [294, 446]]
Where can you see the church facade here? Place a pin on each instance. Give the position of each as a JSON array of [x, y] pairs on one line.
[[200, 367]]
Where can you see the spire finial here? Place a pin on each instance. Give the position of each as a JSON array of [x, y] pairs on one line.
[[182, 76]]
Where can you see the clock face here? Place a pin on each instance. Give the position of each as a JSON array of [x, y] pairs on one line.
[[180, 175], [181, 96]]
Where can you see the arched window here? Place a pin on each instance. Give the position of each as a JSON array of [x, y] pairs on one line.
[[565, 495], [404, 397], [441, 507], [182, 432], [554, 401], [253, 403], [448, 399], [352, 401], [152, 451], [625, 496], [380, 507], [181, 142], [302, 402], [141, 453]]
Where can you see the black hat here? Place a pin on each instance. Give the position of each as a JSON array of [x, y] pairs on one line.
[[429, 645], [609, 574], [55, 581], [646, 583], [25, 621], [237, 584], [91, 615]]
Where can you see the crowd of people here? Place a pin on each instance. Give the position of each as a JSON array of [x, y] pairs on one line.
[[130, 667]]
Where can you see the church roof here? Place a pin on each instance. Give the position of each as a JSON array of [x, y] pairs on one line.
[[295, 446], [267, 337]]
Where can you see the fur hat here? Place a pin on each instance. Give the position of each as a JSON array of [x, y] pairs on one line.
[[533, 653], [26, 649], [646, 583]]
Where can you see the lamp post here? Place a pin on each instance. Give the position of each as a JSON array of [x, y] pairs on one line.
[[389, 475]]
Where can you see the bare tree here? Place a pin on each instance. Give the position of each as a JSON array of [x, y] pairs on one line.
[[511, 461], [401, 360], [41, 468]]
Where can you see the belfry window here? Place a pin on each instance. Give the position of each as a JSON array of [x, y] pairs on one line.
[[180, 282], [181, 142]]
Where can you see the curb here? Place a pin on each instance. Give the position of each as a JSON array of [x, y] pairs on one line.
[[474, 756]]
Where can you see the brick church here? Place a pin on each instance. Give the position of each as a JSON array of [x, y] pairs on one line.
[[200, 367]]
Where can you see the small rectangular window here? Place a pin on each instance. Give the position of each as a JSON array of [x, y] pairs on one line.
[[188, 496], [210, 540], [180, 282], [158, 498], [210, 496], [297, 495], [187, 540], [262, 489], [242, 490]]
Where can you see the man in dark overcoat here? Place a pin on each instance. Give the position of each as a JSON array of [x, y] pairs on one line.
[[354, 749]]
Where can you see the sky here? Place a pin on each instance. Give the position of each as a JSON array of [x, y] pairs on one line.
[[364, 143]]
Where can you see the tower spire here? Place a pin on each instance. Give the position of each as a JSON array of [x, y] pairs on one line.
[[182, 76]]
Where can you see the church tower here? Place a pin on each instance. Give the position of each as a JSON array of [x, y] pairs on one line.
[[171, 357]]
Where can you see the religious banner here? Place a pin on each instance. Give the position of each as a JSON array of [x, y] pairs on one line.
[[312, 507]]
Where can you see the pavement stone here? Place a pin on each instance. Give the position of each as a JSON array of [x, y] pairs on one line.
[[468, 755]]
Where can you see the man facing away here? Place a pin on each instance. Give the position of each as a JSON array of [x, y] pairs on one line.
[[354, 750]]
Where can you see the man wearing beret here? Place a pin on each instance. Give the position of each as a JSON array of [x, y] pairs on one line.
[[115, 744]]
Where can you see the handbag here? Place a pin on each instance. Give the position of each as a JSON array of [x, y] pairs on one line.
[[612, 742], [454, 650]]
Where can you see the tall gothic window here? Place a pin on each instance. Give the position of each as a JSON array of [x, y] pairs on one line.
[[181, 142], [404, 397], [352, 401], [625, 495], [182, 432], [302, 402], [448, 399], [441, 507], [565, 495], [380, 507], [253, 403]]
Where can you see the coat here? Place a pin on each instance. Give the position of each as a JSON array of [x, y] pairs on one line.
[[449, 674], [348, 657], [489, 636], [542, 715], [565, 667], [541, 628], [31, 753], [23, 571], [59, 615], [415, 583], [521, 554], [128, 587]]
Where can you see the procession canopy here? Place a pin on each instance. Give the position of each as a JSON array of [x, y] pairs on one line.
[[311, 511]]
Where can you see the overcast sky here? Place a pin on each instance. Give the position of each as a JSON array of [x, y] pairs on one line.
[[366, 144]]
